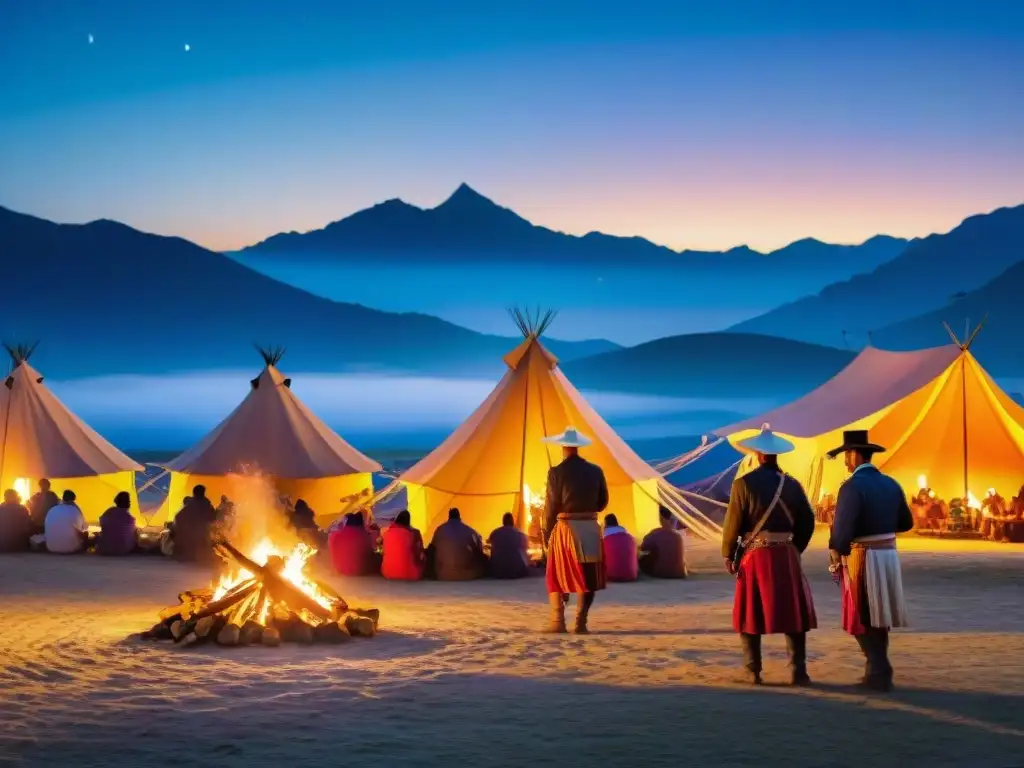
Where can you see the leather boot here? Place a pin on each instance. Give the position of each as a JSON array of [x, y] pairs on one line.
[[583, 603], [751, 658], [796, 646], [556, 625], [877, 670]]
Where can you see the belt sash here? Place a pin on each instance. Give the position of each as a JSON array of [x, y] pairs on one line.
[[874, 581], [585, 533]]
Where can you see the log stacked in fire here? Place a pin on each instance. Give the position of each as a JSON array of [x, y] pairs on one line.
[[263, 604]]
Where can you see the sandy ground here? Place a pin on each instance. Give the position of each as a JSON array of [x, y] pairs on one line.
[[459, 673]]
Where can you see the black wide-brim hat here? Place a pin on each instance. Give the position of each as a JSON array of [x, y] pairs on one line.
[[856, 440]]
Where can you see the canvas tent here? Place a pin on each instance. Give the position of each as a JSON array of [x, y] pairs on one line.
[[41, 438], [940, 415], [272, 435], [496, 461]]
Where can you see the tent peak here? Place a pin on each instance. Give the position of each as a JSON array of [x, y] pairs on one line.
[[969, 335], [20, 353], [532, 324], [271, 355]]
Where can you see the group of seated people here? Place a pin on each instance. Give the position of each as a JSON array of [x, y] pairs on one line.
[[459, 553], [994, 519], [58, 525], [357, 546]]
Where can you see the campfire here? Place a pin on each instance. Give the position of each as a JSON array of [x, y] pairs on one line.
[[263, 598]]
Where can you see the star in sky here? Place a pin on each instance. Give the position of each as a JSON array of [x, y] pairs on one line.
[[91, 39], [187, 47]]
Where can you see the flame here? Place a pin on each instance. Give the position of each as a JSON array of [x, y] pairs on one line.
[[823, 494], [24, 488], [293, 571], [531, 502], [972, 501], [922, 481], [931, 494]]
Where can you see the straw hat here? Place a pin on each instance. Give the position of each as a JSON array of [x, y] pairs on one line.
[[766, 442], [571, 438]]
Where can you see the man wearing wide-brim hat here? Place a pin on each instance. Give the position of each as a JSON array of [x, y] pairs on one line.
[[767, 526], [870, 510], [576, 493]]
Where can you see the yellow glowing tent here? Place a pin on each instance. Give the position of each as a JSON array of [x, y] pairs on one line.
[[497, 457], [943, 419], [273, 436], [40, 438]]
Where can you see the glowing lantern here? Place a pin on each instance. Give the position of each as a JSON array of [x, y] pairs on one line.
[[922, 481]]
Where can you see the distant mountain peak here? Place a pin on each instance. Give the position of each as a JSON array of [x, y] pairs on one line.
[[465, 197]]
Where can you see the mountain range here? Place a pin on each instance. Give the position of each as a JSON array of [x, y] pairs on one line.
[[105, 298], [974, 270], [469, 225], [712, 365]]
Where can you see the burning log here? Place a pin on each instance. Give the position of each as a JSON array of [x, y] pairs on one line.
[[263, 599]]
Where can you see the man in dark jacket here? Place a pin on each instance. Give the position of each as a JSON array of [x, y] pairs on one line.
[[457, 550], [42, 502], [192, 527], [15, 524], [770, 517], [510, 557], [577, 493], [871, 509]]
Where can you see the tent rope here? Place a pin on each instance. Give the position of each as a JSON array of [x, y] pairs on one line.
[[668, 466]]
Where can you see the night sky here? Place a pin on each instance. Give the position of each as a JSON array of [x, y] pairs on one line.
[[701, 125]]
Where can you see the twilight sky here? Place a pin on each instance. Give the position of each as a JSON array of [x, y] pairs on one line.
[[695, 124]]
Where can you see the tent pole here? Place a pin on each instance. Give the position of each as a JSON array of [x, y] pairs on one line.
[[963, 410]]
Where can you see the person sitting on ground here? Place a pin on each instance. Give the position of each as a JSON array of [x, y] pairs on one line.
[[118, 532], [15, 523], [353, 548], [510, 557], [619, 551], [404, 557], [457, 550], [192, 526], [302, 519], [664, 550], [65, 529], [41, 502], [225, 509]]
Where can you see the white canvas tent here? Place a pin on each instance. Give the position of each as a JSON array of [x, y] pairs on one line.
[[937, 411], [275, 435], [41, 438], [496, 460]]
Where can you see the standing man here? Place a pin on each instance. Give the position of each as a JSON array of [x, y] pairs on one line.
[[771, 522], [576, 493], [872, 508]]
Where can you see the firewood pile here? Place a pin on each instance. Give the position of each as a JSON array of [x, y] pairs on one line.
[[263, 605]]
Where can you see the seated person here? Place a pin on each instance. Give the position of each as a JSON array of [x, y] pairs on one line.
[[118, 531], [664, 550], [41, 502], [510, 557], [352, 546], [457, 551], [619, 548], [65, 529], [302, 519], [191, 531], [15, 524], [403, 550]]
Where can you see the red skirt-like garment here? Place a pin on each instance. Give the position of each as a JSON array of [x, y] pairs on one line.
[[566, 574], [772, 594]]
